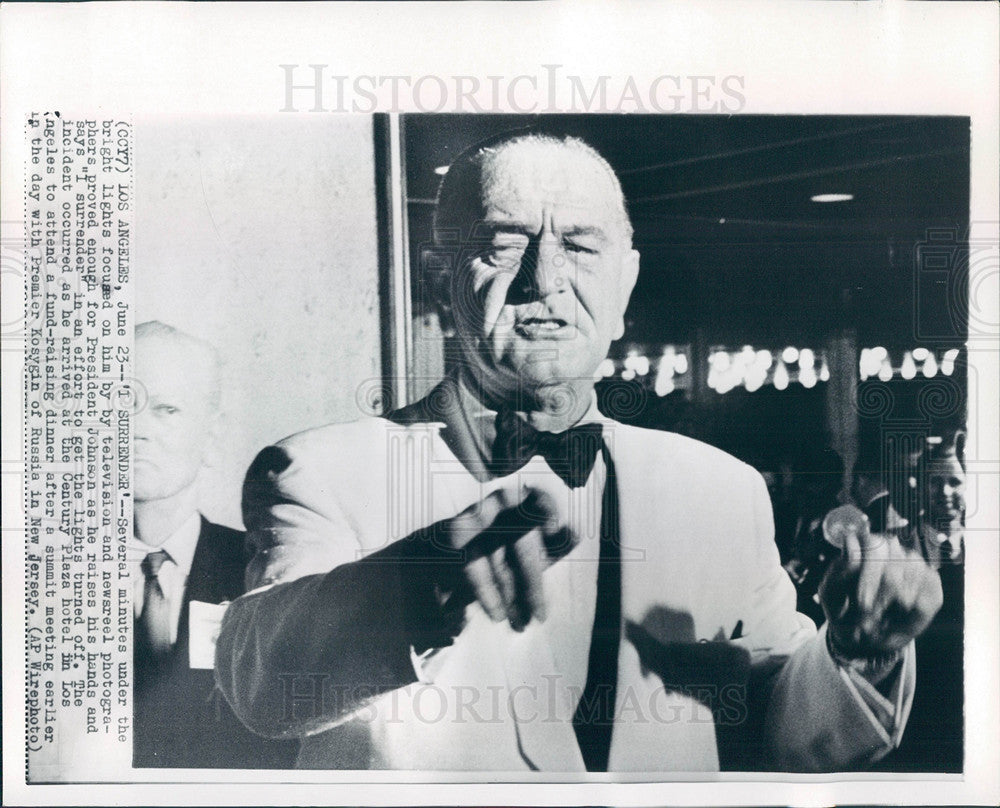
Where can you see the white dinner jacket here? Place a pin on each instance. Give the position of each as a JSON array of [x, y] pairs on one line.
[[699, 565]]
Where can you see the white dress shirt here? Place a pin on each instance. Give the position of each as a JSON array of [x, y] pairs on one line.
[[173, 575], [573, 581]]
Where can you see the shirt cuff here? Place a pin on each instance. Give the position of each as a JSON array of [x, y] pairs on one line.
[[427, 664], [887, 713]]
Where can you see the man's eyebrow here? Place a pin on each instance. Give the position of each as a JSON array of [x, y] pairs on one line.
[[487, 228], [490, 228], [586, 230]]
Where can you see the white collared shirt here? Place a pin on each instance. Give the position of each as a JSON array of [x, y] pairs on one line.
[[173, 575], [570, 619]]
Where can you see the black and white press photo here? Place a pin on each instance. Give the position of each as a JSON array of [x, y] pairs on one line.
[[561, 444], [500, 404]]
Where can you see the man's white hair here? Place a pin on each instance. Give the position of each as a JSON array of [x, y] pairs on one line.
[[458, 193], [194, 349]]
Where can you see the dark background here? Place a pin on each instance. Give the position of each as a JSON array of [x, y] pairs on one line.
[[735, 252]]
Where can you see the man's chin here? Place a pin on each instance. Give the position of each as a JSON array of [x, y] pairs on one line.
[[546, 375], [516, 376], [555, 389]]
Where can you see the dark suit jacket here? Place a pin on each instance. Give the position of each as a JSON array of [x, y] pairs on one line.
[[181, 719], [933, 740]]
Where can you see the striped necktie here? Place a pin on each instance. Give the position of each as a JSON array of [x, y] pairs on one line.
[[154, 622]]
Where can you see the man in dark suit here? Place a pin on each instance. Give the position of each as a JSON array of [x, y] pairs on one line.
[[184, 567], [934, 736]]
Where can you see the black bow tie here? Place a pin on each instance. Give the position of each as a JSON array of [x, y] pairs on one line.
[[570, 454]]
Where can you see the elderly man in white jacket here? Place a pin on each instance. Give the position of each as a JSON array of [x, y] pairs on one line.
[[501, 578]]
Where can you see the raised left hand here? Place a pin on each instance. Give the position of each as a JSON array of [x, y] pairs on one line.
[[878, 595]]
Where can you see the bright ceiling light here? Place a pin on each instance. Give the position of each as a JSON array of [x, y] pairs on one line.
[[664, 384], [781, 377], [807, 378], [441, 170], [832, 198], [720, 360], [885, 372]]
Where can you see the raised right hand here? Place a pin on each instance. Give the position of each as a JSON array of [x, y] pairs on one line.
[[506, 541]]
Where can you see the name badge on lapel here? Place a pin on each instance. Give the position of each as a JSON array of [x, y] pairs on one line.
[[204, 622]]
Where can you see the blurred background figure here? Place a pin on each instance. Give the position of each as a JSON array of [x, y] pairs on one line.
[[933, 738], [815, 491], [183, 566], [943, 525]]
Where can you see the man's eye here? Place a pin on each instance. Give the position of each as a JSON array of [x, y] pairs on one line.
[[579, 248], [503, 256]]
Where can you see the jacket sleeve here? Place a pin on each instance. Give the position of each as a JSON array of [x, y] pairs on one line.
[[320, 632], [818, 716]]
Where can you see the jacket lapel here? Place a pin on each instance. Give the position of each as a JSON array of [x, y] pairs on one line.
[[215, 576], [444, 405], [542, 711]]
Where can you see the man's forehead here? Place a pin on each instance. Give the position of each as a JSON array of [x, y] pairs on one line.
[[175, 363], [547, 173], [177, 348]]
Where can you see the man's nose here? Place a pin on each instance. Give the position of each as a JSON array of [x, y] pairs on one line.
[[550, 272], [543, 270]]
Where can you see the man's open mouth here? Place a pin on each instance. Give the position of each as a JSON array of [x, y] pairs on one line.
[[541, 327]]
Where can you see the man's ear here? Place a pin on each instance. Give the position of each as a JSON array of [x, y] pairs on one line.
[[627, 277], [437, 268]]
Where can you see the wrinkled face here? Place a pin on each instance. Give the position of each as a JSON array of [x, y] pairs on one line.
[[547, 275], [174, 429], [946, 490]]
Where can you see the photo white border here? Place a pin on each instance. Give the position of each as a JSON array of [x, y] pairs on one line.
[[927, 58]]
